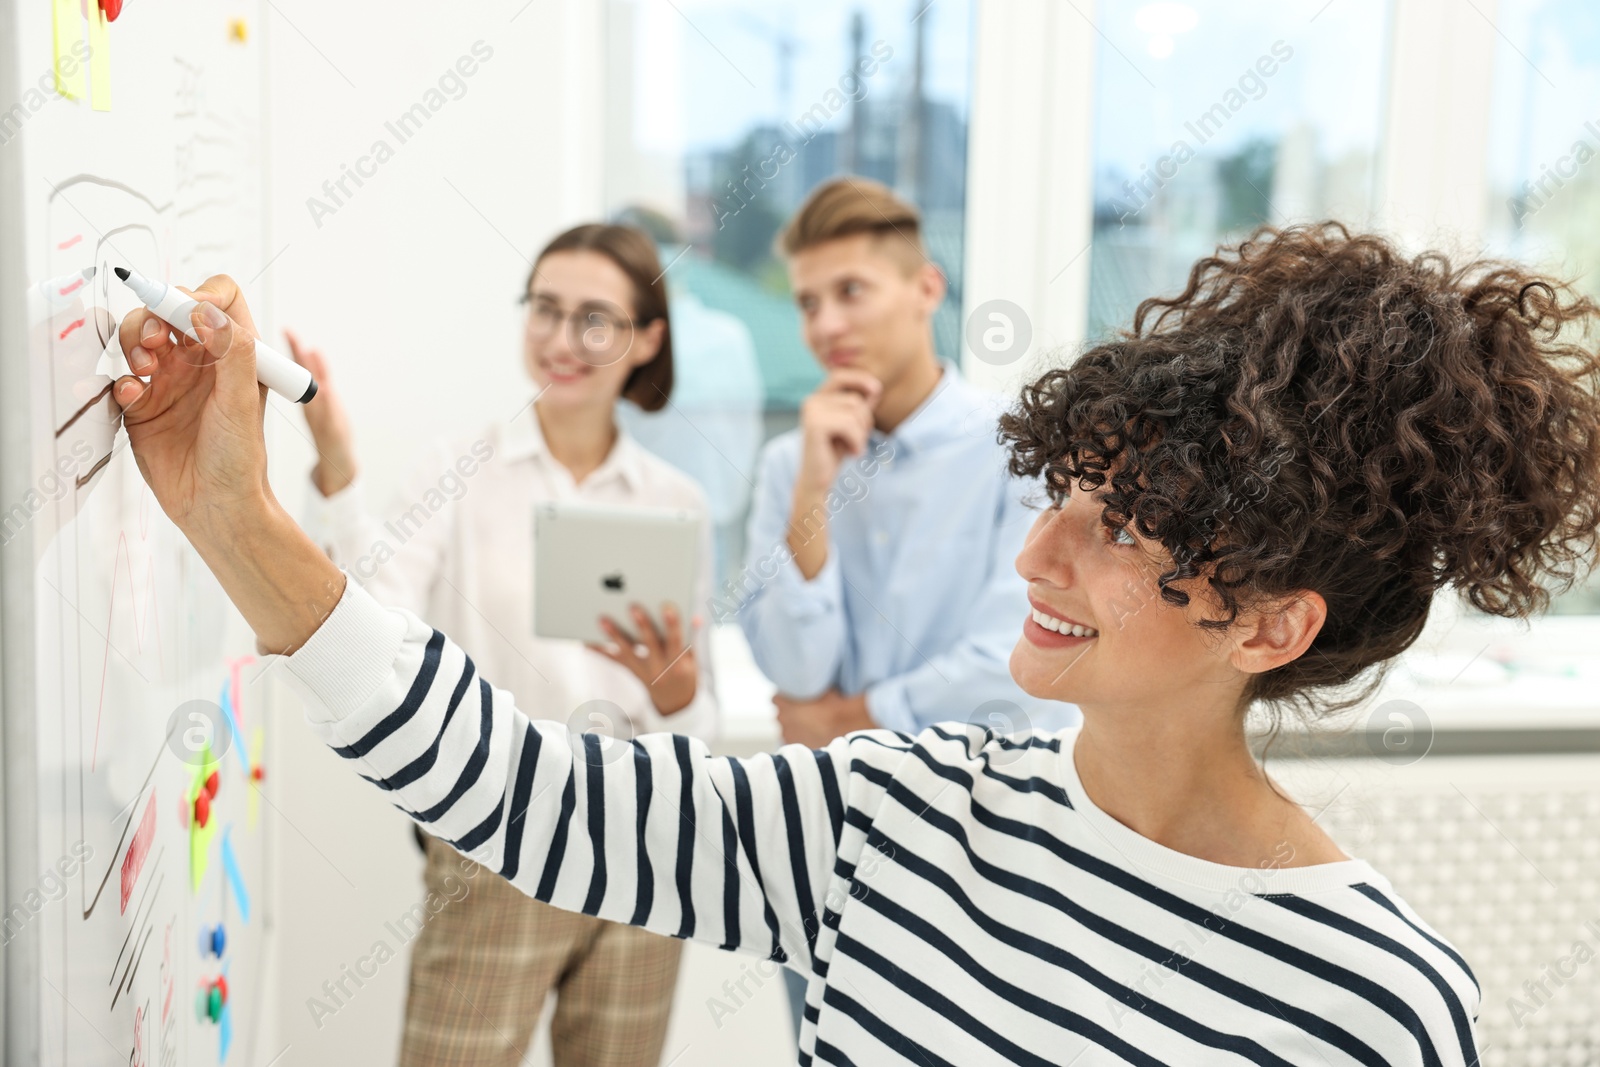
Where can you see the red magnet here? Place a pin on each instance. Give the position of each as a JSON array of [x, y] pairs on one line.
[[202, 810], [211, 784], [112, 9]]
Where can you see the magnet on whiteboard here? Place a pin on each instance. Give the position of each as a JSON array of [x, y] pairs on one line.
[[213, 940]]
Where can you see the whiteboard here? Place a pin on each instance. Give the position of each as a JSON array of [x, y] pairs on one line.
[[125, 674]]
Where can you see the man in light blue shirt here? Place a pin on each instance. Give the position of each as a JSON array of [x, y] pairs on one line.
[[917, 606], [880, 586]]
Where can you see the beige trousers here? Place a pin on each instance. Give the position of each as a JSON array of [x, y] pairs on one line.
[[482, 967]]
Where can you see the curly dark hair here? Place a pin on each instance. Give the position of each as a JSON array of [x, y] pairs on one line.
[[1317, 411]]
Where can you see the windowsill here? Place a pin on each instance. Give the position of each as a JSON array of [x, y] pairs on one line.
[[1474, 684], [1473, 671], [1467, 673]]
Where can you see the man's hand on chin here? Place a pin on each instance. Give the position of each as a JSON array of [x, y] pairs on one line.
[[814, 723]]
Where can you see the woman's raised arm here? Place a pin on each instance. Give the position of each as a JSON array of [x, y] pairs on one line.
[[655, 832]]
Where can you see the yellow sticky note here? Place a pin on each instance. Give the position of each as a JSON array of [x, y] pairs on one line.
[[67, 22], [99, 59]]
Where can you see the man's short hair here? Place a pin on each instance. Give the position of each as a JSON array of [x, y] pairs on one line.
[[847, 206]]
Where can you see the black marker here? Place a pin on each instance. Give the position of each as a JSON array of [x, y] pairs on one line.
[[173, 306]]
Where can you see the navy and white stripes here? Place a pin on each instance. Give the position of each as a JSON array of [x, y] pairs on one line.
[[953, 897]]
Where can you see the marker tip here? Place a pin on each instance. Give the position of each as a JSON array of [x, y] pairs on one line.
[[121, 272]]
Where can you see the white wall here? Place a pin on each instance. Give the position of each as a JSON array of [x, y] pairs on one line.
[[409, 285], [1433, 188], [1029, 178]]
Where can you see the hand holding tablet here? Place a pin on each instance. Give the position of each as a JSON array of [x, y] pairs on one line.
[[596, 569], [662, 657]]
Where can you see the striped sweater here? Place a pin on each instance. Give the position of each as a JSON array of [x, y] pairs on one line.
[[953, 897]]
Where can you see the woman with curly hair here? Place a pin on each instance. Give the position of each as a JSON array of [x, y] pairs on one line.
[[1253, 497]]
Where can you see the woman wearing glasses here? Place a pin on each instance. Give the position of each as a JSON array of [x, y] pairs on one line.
[[457, 546]]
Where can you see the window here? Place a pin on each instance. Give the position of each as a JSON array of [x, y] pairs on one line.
[[1212, 118], [722, 119], [1543, 178]]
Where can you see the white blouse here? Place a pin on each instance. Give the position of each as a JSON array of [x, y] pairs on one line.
[[455, 546]]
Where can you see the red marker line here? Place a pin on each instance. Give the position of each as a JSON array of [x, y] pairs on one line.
[[62, 336], [138, 849], [73, 287], [70, 241], [236, 668]]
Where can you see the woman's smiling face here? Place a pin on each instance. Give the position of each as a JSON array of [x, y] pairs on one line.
[[580, 341], [1129, 647]]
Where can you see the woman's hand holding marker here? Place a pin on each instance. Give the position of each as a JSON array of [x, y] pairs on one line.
[[176, 306], [196, 426], [196, 433]]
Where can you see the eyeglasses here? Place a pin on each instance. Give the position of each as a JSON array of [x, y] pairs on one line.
[[601, 333], [595, 323]]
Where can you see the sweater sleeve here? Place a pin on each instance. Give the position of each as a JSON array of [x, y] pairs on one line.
[[656, 832]]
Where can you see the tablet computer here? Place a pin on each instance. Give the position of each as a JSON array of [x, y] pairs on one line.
[[590, 560]]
